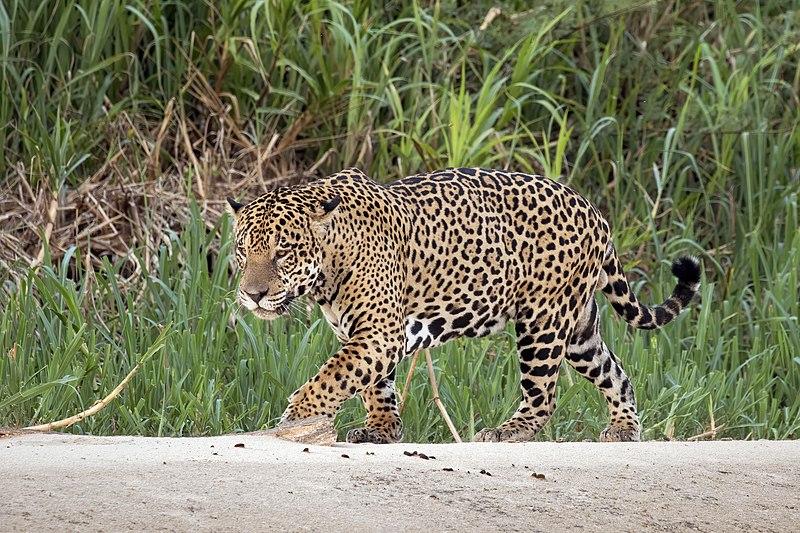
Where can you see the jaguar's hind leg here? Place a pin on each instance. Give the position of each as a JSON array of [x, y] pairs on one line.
[[590, 356], [541, 346]]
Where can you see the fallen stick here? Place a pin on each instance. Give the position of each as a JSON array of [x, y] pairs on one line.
[[710, 433], [98, 405], [101, 404], [317, 430]]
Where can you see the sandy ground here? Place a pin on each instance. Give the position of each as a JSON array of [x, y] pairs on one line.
[[57, 482]]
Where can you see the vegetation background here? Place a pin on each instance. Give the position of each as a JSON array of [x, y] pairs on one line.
[[125, 124]]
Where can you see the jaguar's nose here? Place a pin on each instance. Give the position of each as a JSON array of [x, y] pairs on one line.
[[256, 296]]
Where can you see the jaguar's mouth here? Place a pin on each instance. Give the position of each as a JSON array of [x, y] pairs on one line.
[[264, 314], [279, 310]]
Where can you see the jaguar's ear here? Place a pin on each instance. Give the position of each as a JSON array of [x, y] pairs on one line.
[[326, 210], [233, 206]]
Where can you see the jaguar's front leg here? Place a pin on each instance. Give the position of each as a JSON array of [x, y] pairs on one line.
[[361, 363], [383, 424]]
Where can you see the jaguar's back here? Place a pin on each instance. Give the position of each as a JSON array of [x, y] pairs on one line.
[[483, 241]]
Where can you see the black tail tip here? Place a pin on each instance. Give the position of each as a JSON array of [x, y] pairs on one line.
[[687, 270]]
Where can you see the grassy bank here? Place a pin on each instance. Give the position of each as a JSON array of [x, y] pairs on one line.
[[126, 123]]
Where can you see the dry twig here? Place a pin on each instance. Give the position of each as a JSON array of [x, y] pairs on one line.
[[48, 229], [437, 400], [434, 387], [711, 433], [407, 386], [96, 408]]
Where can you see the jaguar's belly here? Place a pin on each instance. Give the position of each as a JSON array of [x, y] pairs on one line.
[[427, 332]]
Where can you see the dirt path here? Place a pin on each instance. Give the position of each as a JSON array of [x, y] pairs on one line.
[[112, 483]]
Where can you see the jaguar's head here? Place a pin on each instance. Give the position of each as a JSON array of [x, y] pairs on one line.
[[279, 239]]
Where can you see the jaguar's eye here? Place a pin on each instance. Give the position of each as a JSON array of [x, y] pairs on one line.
[[281, 253]]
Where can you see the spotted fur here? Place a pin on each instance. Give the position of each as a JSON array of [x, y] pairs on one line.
[[456, 253]]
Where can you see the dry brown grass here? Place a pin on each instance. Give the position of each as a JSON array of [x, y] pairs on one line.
[[143, 189]]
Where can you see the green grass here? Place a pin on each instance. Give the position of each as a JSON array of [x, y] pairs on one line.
[[679, 120]]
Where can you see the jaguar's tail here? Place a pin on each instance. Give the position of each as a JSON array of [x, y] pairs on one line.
[[625, 303]]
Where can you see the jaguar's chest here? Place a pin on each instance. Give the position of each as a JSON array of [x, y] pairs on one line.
[[336, 321]]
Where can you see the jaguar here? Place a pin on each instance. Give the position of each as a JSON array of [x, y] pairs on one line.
[[412, 264]]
